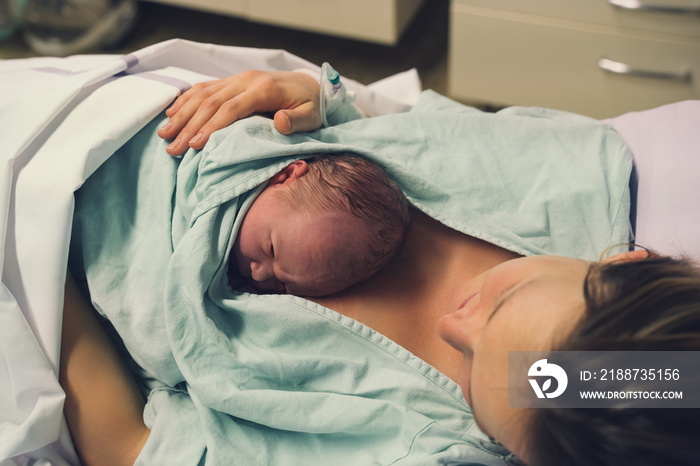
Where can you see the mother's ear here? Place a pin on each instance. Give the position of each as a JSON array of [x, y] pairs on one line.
[[290, 173], [629, 256]]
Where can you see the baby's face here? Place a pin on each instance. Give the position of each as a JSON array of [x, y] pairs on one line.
[[295, 251]]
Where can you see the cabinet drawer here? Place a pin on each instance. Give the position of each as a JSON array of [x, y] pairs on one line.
[[602, 12], [381, 21], [509, 62]]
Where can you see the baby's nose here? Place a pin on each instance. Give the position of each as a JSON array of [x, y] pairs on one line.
[[264, 278], [260, 271]]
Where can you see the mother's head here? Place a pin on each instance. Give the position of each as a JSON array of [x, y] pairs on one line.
[[628, 303]]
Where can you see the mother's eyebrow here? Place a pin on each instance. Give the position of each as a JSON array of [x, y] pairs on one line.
[[506, 296]]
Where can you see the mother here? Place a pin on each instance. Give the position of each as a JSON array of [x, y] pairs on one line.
[[483, 300]]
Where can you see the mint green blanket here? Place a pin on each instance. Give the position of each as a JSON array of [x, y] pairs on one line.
[[275, 379]]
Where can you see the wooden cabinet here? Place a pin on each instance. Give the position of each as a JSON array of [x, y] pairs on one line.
[[585, 56], [381, 21]]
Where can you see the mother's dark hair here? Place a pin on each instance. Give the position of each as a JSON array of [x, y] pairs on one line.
[[647, 305]]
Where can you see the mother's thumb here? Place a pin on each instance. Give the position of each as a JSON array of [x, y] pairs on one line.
[[300, 119]]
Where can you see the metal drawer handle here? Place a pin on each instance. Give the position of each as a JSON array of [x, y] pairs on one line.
[[622, 68], [644, 6]]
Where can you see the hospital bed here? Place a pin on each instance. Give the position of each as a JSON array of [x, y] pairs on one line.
[[62, 118]]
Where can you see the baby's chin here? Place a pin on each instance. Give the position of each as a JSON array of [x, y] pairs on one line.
[[317, 291], [246, 284]]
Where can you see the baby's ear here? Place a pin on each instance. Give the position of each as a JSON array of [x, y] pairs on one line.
[[290, 173]]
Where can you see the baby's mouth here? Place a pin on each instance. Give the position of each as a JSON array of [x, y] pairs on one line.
[[266, 287], [250, 281]]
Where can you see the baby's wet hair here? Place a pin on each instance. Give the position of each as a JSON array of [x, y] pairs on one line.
[[352, 184]]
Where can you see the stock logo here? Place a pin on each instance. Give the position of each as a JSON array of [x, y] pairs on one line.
[[542, 370]]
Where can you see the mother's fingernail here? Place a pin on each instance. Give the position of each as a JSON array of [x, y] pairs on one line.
[[197, 139], [175, 143], [287, 121]]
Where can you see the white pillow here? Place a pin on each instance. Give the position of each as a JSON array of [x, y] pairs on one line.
[[665, 143]]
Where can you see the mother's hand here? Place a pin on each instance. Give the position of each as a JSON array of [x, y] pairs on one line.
[[213, 105]]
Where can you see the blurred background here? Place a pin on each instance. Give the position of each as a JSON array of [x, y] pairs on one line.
[[376, 50], [599, 58]]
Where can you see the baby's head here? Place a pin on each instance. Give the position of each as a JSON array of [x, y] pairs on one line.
[[320, 226]]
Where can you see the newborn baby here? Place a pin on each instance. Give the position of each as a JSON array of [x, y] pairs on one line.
[[318, 227]]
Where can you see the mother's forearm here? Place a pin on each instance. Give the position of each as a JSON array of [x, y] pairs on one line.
[[103, 406]]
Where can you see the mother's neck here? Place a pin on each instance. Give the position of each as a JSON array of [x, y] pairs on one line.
[[406, 298]]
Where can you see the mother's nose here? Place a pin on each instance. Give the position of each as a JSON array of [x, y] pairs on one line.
[[471, 332], [461, 330]]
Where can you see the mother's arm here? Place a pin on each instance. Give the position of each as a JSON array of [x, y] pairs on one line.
[[213, 105], [103, 406]]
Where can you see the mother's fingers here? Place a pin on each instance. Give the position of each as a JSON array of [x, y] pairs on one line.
[[188, 106], [193, 109], [213, 105], [216, 114], [184, 107]]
